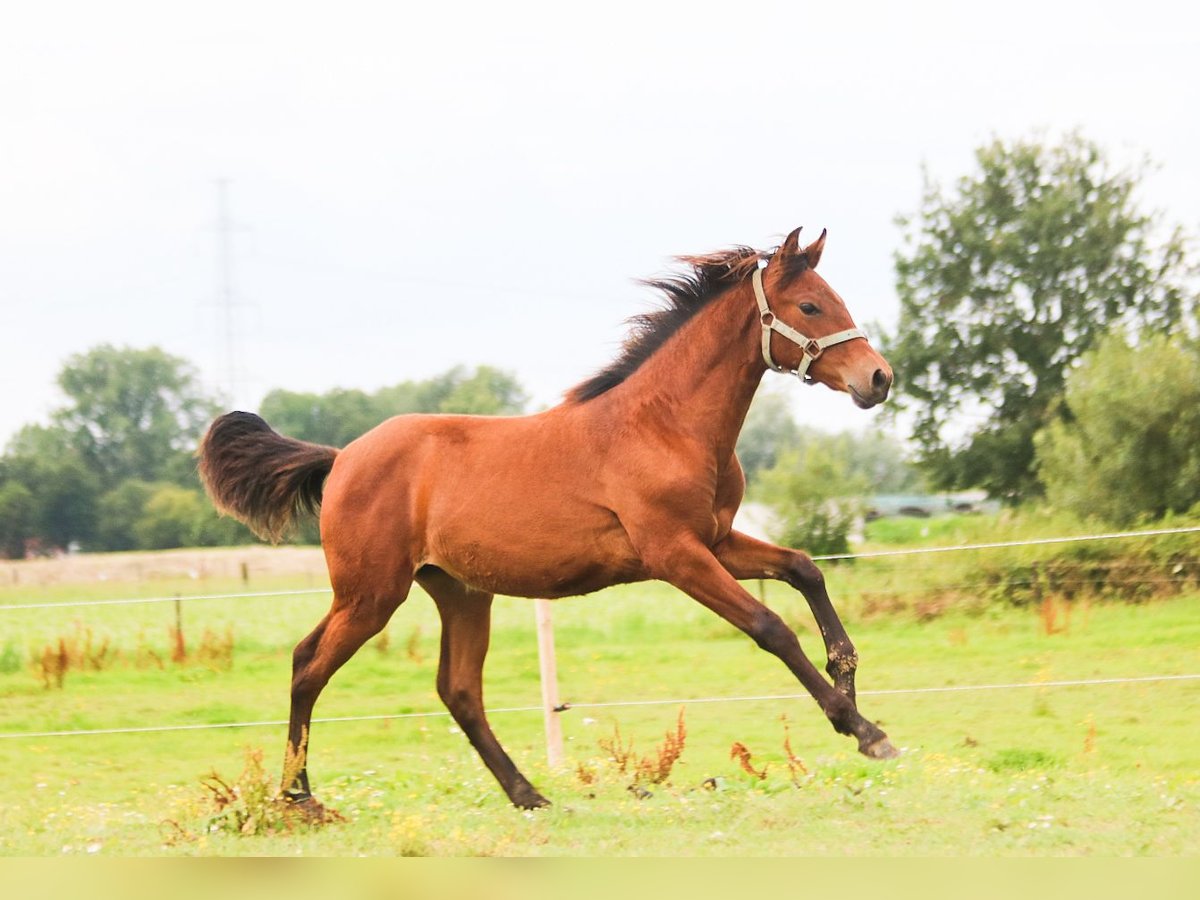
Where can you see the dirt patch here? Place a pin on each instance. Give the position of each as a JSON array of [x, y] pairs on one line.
[[124, 568]]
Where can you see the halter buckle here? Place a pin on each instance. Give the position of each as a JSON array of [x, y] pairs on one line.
[[813, 349]]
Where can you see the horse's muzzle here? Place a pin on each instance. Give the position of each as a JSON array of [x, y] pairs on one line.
[[881, 384]]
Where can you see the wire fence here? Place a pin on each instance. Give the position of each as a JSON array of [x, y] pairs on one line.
[[611, 704], [879, 554], [153, 729]]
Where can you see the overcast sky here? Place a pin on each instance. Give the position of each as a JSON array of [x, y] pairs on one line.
[[421, 185]]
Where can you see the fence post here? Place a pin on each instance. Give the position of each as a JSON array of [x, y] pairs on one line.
[[178, 647], [549, 675]]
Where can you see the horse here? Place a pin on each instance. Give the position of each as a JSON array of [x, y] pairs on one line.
[[632, 477]]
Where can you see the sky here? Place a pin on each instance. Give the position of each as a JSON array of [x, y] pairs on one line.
[[412, 187]]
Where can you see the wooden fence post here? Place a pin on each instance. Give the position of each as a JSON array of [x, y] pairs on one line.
[[549, 674]]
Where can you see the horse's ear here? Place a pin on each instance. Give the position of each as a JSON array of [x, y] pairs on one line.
[[813, 251], [791, 246]]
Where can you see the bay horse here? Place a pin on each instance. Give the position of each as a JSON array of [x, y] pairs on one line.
[[632, 477]]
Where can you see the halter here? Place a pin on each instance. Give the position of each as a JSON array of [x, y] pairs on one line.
[[812, 347]]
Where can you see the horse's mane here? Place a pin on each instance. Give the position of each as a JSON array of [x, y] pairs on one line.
[[685, 294]]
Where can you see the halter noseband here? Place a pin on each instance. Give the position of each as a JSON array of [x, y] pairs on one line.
[[812, 347]]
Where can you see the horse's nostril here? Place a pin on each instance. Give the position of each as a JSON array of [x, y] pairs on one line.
[[880, 380]]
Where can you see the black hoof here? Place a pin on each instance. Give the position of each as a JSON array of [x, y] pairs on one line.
[[538, 802]]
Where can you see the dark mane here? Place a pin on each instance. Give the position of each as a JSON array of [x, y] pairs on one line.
[[686, 294]]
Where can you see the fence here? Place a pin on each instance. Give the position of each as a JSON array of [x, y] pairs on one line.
[[551, 707]]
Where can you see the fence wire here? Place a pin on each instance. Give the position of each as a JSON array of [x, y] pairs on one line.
[[879, 554], [153, 729], [611, 704]]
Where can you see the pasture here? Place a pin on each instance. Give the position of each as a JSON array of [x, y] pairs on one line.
[[1043, 770]]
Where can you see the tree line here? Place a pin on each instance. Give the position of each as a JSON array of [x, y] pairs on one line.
[[1047, 351], [114, 469]]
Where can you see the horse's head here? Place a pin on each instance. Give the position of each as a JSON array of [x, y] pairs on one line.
[[807, 329]]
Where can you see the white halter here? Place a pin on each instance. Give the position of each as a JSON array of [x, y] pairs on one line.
[[812, 347]]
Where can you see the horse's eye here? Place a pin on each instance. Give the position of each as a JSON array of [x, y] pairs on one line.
[[808, 309]]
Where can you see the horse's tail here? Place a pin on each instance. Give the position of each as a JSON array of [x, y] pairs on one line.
[[260, 477]]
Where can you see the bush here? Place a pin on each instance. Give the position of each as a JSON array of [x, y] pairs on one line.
[[817, 498], [1128, 447]]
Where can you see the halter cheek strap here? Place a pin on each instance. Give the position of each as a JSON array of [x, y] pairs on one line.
[[812, 347]]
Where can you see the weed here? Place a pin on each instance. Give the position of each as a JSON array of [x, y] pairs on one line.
[[413, 646], [585, 773], [74, 651], [216, 650], [1089, 738], [178, 645], [249, 805], [741, 753], [796, 767], [657, 769], [383, 643], [1055, 616], [654, 769], [618, 752]]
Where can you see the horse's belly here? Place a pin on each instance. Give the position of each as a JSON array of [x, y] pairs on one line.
[[538, 556]]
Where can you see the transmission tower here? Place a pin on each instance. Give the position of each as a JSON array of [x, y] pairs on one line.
[[227, 301]]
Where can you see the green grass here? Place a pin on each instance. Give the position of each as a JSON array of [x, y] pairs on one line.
[[1100, 770]]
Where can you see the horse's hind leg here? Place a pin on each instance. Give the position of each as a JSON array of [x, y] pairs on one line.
[[348, 625], [682, 560], [744, 557], [466, 629]]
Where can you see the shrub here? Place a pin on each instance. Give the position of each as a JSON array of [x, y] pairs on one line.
[[817, 498], [1128, 445]]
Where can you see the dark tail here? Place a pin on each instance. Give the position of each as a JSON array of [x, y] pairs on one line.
[[260, 477]]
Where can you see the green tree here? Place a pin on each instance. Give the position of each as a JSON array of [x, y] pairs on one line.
[[170, 518], [1129, 445], [118, 512], [17, 518], [816, 495], [334, 418], [339, 416], [134, 413], [485, 392], [769, 431], [1004, 281], [62, 486]]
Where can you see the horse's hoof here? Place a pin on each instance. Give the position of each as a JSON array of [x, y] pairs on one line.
[[530, 799], [311, 811], [881, 749]]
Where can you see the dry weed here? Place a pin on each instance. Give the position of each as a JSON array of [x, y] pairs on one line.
[[741, 753], [653, 769]]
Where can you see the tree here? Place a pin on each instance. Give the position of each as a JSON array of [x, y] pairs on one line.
[[768, 432], [339, 416], [817, 496], [134, 413], [486, 392], [62, 486], [334, 418], [1004, 282], [18, 515], [118, 512], [1129, 446], [170, 518]]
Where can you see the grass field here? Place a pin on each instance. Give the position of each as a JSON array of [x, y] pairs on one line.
[[1103, 769]]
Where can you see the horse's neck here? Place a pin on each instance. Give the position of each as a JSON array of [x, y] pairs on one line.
[[702, 380]]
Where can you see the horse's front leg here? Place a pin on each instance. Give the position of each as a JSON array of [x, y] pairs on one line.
[[745, 557], [685, 562]]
